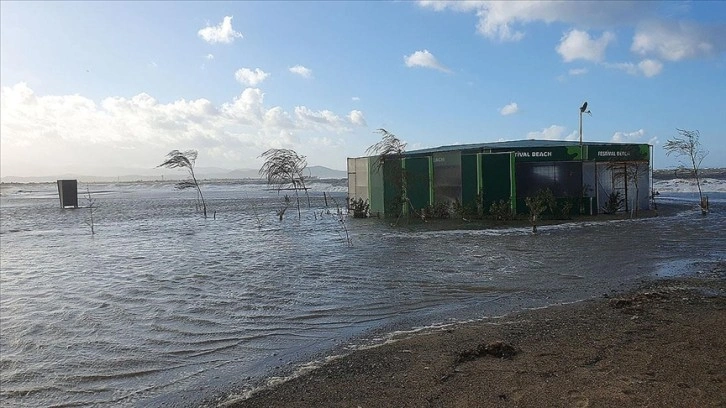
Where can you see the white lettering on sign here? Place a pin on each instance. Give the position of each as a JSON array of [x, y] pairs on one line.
[[541, 154], [610, 153], [533, 154]]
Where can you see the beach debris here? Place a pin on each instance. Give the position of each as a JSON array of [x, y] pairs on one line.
[[499, 349], [636, 300]]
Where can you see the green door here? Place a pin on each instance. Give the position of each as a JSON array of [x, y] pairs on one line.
[[497, 179]]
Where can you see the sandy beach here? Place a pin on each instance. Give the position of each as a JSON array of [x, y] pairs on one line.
[[661, 345]]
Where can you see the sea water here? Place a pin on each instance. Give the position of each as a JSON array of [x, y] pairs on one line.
[[162, 307]]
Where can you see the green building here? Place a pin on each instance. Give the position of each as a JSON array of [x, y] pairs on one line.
[[476, 175]]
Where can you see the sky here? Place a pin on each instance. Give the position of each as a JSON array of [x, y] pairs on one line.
[[98, 88]]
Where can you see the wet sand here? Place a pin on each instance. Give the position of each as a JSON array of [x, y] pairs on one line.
[[661, 345]]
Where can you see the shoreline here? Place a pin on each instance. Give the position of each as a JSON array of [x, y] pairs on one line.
[[663, 344]]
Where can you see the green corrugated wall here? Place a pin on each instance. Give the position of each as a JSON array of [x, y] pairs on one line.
[[375, 188], [469, 180], [418, 181], [392, 187]]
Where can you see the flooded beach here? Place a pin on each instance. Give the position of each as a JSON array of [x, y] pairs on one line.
[[163, 307]]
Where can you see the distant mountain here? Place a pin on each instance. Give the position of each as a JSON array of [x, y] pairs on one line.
[[684, 173], [165, 174], [327, 173]]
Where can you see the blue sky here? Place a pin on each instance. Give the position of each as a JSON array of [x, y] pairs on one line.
[[98, 88]]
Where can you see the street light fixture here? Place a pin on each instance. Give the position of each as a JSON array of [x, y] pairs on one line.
[[583, 109]]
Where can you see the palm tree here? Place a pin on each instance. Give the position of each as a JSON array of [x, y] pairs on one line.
[[388, 148], [177, 159], [284, 168]]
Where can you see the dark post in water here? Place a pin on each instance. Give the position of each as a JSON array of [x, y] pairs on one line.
[[68, 193]]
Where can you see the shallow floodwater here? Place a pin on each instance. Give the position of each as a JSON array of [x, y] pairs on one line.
[[162, 307]]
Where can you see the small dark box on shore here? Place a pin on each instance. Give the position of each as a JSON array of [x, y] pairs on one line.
[[68, 193]]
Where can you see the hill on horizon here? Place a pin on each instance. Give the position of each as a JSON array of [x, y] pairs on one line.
[[202, 173]]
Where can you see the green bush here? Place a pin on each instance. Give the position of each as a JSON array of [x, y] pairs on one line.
[[360, 207], [438, 210], [614, 203], [566, 210], [502, 210]]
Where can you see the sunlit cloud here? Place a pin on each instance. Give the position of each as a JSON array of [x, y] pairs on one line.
[[138, 131], [647, 68], [628, 137], [248, 77], [637, 136], [505, 21], [356, 117], [221, 33], [302, 71], [424, 59], [554, 132], [578, 44], [675, 41], [509, 109]]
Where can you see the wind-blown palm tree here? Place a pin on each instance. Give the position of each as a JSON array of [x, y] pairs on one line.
[[177, 159], [388, 148], [284, 168]]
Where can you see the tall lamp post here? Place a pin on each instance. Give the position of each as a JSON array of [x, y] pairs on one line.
[[583, 109]]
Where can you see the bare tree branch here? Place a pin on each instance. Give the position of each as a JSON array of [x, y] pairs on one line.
[[185, 160], [687, 144]]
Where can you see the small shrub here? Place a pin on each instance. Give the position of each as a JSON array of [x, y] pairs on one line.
[[361, 208], [537, 206], [438, 210], [566, 210], [614, 203], [458, 209], [501, 211]]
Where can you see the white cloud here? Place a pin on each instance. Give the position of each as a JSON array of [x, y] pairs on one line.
[[356, 117], [628, 137], [634, 137], [554, 132], [302, 71], [221, 33], [424, 59], [209, 56], [355, 99], [628, 67], [503, 20], [647, 68], [650, 67], [248, 77], [509, 109], [577, 71], [72, 130], [675, 41], [578, 44], [320, 120]]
